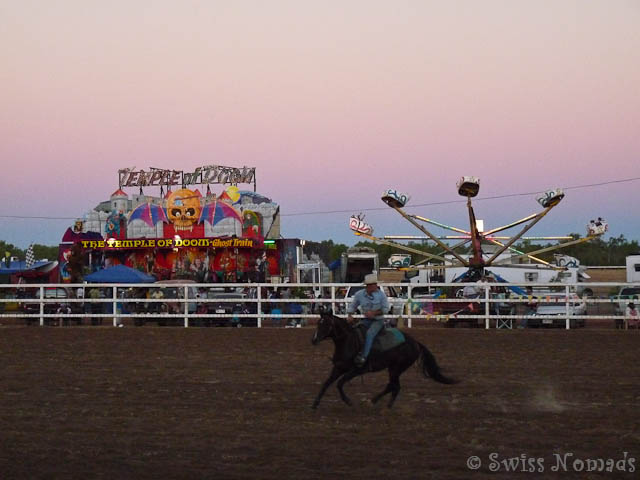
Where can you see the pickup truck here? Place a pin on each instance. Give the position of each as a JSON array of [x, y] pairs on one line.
[[552, 311], [625, 296]]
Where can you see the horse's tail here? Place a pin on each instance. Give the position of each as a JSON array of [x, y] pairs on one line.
[[430, 367]]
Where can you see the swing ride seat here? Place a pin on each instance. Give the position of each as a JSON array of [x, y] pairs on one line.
[[550, 198], [358, 225], [394, 199], [468, 186]]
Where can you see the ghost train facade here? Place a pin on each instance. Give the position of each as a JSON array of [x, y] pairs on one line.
[[230, 237]]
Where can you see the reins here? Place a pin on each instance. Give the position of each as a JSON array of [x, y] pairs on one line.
[[340, 331]]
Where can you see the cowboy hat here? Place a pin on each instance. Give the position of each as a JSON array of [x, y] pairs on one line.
[[370, 279]]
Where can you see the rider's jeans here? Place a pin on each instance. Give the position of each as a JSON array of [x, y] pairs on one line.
[[373, 327]]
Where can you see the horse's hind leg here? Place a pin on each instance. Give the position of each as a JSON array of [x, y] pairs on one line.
[[335, 374], [382, 393], [394, 384], [394, 378]]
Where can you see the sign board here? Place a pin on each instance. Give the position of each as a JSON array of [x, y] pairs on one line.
[[113, 244], [207, 175]]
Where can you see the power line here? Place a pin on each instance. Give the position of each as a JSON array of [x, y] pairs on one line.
[[37, 217], [450, 202], [371, 209]]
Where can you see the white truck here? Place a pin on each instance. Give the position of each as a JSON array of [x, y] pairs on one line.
[[627, 294]]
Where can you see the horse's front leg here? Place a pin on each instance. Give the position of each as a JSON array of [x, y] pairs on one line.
[[345, 378], [335, 374]]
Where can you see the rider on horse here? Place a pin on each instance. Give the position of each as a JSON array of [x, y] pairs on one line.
[[373, 304]]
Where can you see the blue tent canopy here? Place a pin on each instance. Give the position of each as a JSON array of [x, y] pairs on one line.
[[119, 274], [335, 264], [18, 266]]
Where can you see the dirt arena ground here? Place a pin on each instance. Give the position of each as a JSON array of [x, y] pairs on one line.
[[235, 404]]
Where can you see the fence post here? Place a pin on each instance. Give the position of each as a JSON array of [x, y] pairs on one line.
[[486, 306], [333, 299], [409, 305], [259, 310], [115, 306], [566, 305], [186, 306], [41, 306]]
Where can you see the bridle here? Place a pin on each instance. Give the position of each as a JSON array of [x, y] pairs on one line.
[[336, 333]]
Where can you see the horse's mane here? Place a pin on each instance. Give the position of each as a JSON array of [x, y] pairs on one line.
[[340, 320], [340, 323]]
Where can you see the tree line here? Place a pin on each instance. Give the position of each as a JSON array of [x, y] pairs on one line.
[[8, 250], [597, 252]]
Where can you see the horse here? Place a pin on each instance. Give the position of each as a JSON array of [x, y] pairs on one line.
[[348, 343]]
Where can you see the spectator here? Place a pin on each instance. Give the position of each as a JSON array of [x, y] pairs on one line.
[[63, 309], [276, 308], [265, 296], [295, 309], [96, 307], [158, 294], [530, 308], [84, 307], [470, 291], [285, 295], [502, 307], [632, 317]]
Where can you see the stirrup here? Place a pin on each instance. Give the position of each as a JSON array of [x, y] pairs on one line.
[[359, 360]]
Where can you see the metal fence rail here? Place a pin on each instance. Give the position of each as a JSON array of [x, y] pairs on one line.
[[128, 302]]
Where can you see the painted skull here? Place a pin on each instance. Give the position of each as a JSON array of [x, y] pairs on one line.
[[183, 209]]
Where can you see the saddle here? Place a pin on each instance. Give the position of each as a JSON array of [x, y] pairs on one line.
[[386, 339]]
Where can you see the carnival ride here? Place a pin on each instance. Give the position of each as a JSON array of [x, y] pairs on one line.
[[477, 261]]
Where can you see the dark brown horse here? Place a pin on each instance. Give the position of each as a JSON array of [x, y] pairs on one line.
[[348, 343]]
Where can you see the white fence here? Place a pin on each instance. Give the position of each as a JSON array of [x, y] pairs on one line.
[[253, 304]]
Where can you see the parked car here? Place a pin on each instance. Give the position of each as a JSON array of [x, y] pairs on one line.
[[60, 294], [230, 303], [553, 311]]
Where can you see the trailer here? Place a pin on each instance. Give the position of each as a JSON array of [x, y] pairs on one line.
[[633, 268], [357, 262], [522, 274]]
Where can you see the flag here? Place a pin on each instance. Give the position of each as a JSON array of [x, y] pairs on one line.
[[31, 259]]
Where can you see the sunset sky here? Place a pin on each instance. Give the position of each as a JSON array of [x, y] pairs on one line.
[[331, 101]]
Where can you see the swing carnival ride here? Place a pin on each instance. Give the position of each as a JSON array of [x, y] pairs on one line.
[[477, 261]]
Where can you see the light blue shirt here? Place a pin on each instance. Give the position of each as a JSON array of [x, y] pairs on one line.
[[368, 302]]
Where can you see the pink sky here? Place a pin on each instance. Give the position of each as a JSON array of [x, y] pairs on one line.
[[333, 102]]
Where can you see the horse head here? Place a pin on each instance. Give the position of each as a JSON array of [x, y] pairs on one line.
[[325, 327]]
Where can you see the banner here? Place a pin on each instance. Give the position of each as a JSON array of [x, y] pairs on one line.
[[113, 244]]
